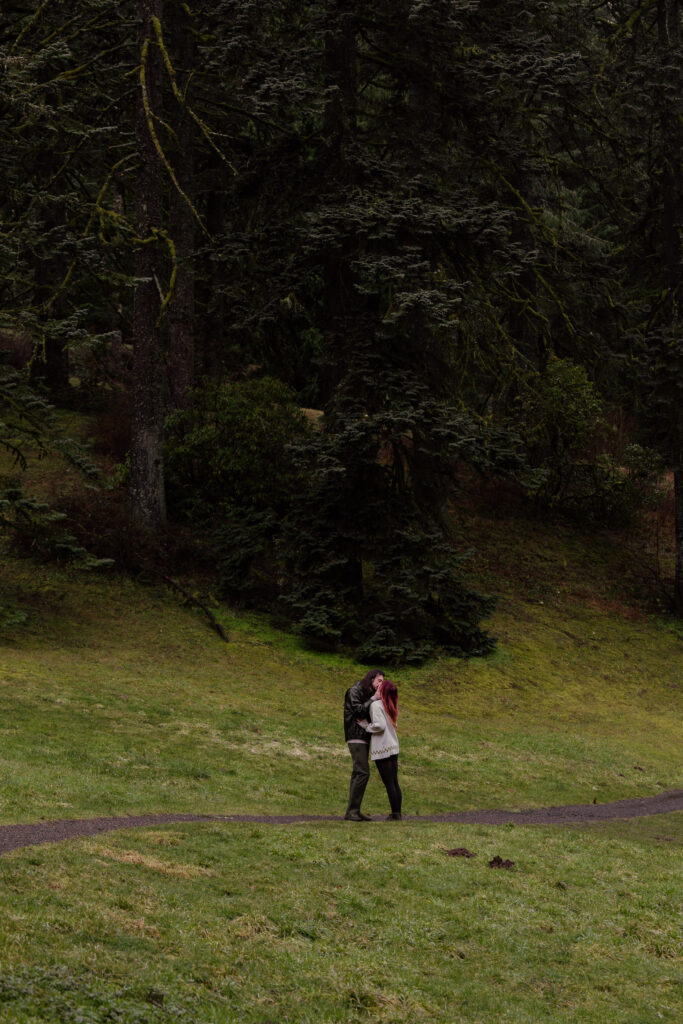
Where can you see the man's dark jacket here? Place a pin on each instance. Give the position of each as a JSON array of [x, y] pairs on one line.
[[357, 703]]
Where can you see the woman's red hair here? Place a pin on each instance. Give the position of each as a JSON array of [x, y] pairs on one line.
[[389, 694]]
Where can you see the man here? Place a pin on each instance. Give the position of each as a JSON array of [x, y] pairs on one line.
[[357, 701]]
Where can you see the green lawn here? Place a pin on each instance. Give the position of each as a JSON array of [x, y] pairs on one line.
[[336, 922]]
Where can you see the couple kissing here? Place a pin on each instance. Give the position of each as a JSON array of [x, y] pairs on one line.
[[370, 714]]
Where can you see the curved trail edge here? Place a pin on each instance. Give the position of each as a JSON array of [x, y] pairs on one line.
[[14, 837]]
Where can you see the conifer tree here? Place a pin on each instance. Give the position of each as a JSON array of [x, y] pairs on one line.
[[147, 474], [641, 113]]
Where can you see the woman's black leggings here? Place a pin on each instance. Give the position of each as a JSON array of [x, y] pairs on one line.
[[388, 770]]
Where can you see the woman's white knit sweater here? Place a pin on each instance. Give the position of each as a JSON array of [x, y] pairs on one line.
[[383, 738]]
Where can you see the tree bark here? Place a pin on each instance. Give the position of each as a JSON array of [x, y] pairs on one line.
[[181, 342], [669, 37], [147, 499]]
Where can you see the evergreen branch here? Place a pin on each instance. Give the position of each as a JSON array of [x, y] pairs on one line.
[[57, 33], [98, 201], [84, 140], [524, 301], [533, 216], [625, 28], [88, 26], [504, 334], [97, 209], [75, 72], [536, 218], [251, 116], [72, 73], [18, 457]]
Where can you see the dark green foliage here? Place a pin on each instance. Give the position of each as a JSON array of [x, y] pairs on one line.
[[10, 615], [230, 472], [562, 419], [73, 997], [28, 422], [28, 428], [371, 562], [407, 232], [575, 468], [39, 530], [25, 417], [62, 79], [230, 447]]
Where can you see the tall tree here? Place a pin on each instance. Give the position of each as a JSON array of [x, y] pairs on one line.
[[146, 464], [641, 112]]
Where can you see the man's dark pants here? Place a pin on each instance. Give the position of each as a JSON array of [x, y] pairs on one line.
[[360, 773]]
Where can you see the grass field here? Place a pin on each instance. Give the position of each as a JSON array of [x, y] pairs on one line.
[[334, 923], [116, 699]]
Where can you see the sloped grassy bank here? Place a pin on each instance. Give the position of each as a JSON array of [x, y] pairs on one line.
[[115, 698]]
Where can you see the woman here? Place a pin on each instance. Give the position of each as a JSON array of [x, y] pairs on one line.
[[384, 741]]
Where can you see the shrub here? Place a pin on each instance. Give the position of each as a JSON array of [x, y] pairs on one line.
[[230, 446], [559, 413], [230, 473], [344, 528], [561, 417]]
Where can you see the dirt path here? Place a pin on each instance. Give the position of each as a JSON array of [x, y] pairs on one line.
[[13, 837]]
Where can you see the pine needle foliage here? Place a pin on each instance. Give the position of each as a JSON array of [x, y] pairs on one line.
[[28, 429]]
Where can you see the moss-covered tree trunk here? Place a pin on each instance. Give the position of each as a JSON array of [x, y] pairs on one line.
[[147, 470], [181, 341]]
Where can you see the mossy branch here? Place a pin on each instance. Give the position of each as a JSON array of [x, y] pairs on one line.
[[157, 145], [180, 97], [166, 299], [29, 24], [551, 291], [97, 210], [625, 28]]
